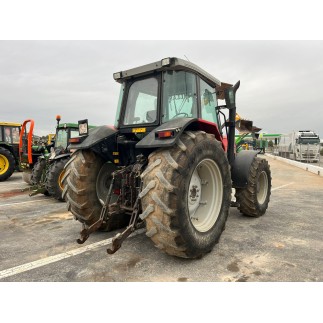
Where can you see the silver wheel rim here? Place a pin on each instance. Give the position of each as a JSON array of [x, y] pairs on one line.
[[262, 188], [205, 195]]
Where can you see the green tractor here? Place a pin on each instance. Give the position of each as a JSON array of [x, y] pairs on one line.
[[9, 147], [48, 169], [167, 163]]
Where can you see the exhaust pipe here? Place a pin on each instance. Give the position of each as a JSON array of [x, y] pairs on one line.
[[230, 100]]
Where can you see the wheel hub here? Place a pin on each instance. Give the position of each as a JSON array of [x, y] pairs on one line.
[[194, 193], [262, 187], [205, 195], [4, 164]]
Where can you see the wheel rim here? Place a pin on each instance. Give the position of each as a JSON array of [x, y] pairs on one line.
[[262, 188], [60, 177], [103, 183], [205, 195], [4, 164]]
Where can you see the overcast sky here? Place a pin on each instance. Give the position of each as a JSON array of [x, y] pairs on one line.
[[281, 81]]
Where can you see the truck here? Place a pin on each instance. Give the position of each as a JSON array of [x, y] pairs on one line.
[[169, 163], [301, 145]]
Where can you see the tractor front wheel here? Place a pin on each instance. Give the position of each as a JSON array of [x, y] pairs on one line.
[[253, 200], [186, 195], [55, 174], [37, 173], [7, 164]]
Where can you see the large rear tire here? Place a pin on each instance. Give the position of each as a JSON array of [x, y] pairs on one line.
[[55, 174], [82, 172], [186, 195], [254, 199], [7, 164]]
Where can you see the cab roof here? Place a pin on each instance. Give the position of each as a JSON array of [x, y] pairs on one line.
[[173, 63], [11, 124], [63, 125]]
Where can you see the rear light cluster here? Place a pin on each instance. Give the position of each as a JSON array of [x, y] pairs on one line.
[[75, 140], [165, 134]]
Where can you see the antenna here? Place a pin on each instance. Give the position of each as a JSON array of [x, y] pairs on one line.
[[187, 58]]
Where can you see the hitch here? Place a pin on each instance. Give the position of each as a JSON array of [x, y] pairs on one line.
[[134, 173], [120, 237], [37, 189], [85, 233]]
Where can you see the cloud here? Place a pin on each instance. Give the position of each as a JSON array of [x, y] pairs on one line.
[[280, 80]]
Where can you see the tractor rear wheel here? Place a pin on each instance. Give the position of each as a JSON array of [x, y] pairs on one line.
[[38, 174], [86, 182], [186, 195], [7, 164], [253, 200], [37, 171], [55, 174]]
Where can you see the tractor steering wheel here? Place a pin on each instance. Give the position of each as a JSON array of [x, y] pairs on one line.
[[177, 114]]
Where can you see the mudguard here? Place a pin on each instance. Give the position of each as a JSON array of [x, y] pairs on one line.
[[241, 166], [178, 126], [95, 136]]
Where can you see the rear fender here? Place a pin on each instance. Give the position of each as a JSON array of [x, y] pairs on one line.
[[96, 135], [102, 140], [178, 126], [240, 168]]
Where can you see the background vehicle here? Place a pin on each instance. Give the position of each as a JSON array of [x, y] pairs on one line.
[[302, 145], [46, 162], [9, 142], [30, 151], [59, 156], [167, 162]]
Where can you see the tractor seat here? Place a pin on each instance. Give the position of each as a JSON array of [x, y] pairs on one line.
[[151, 115]]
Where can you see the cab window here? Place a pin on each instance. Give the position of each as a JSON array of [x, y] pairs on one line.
[[142, 102], [179, 95], [74, 133], [61, 138], [11, 135], [208, 102]]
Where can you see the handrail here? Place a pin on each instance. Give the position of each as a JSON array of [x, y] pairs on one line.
[[30, 138]]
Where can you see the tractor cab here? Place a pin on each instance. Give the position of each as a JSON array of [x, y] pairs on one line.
[[64, 132], [9, 148], [155, 94], [9, 135]]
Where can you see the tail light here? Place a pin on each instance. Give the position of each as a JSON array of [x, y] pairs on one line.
[[164, 134]]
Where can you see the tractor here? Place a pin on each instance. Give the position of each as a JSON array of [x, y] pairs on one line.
[[169, 163], [9, 141], [48, 169]]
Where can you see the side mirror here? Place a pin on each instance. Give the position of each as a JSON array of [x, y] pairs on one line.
[[230, 95], [83, 127]]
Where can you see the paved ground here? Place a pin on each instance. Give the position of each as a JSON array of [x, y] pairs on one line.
[[38, 236]]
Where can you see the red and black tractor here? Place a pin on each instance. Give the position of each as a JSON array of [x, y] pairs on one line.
[[169, 163]]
